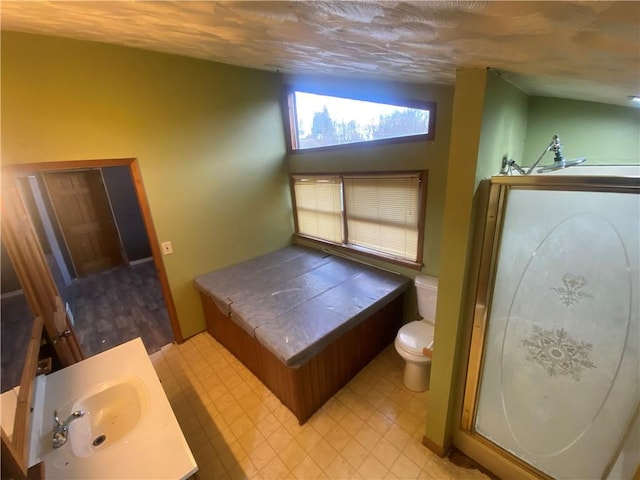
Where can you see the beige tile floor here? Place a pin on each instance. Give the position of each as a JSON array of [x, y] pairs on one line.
[[236, 428]]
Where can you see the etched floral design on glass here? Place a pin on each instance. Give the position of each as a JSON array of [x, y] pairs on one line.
[[571, 292], [558, 353]]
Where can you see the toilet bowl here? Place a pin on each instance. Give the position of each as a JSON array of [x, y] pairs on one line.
[[416, 335]]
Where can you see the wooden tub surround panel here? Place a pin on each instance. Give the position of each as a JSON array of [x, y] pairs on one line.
[[233, 337], [304, 389], [304, 322]]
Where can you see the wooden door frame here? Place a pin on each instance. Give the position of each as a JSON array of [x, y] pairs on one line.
[[136, 175]]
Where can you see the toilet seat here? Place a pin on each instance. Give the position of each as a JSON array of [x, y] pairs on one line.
[[414, 336]]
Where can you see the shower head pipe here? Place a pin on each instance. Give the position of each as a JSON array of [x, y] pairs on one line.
[[556, 146], [558, 160]]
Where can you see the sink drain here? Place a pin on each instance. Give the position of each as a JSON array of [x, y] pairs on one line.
[[99, 440]]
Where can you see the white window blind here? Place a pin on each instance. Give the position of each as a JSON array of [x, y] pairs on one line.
[[319, 207], [382, 213]]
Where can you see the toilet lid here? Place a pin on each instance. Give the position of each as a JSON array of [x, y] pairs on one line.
[[414, 336]]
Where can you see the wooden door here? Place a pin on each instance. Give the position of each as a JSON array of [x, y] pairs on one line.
[[28, 259], [82, 207]]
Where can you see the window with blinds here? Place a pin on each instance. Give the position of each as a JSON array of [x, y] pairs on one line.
[[382, 213], [318, 205], [378, 213]]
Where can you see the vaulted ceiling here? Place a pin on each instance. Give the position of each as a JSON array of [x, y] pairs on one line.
[[583, 50]]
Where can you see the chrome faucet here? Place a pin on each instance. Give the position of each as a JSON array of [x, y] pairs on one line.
[[61, 429]]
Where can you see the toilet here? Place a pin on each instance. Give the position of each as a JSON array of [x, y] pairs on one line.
[[414, 336]]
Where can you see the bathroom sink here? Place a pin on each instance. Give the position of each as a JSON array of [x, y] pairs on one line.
[[112, 411], [129, 430]]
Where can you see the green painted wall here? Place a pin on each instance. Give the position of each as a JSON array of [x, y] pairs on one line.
[[504, 125], [430, 155], [489, 121], [468, 104], [209, 139], [604, 134]]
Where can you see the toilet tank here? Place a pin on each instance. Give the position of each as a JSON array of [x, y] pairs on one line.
[[427, 292]]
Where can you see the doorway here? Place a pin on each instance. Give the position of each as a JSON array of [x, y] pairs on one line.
[[110, 295]]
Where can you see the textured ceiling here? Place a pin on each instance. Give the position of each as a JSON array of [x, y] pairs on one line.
[[584, 50]]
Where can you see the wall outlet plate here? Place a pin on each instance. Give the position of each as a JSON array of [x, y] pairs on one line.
[[167, 248]]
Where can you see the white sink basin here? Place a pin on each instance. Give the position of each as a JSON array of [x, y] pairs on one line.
[[111, 412], [129, 430]]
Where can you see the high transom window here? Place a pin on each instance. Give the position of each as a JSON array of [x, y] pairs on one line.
[[324, 121], [379, 214]]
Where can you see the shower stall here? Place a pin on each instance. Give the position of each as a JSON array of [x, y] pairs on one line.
[[553, 380]]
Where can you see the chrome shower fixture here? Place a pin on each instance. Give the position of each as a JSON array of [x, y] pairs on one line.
[[558, 160]]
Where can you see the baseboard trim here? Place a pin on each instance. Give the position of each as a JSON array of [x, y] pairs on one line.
[[141, 260], [437, 449]]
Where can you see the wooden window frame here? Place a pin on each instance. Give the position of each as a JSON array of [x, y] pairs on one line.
[[346, 247]]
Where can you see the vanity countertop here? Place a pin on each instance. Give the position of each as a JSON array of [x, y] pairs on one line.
[[125, 403]]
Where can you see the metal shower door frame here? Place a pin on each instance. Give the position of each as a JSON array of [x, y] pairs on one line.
[[488, 248]]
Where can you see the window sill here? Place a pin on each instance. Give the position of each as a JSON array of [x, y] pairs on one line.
[[423, 137], [350, 250]]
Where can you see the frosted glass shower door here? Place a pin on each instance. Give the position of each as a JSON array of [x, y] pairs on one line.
[[560, 379]]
